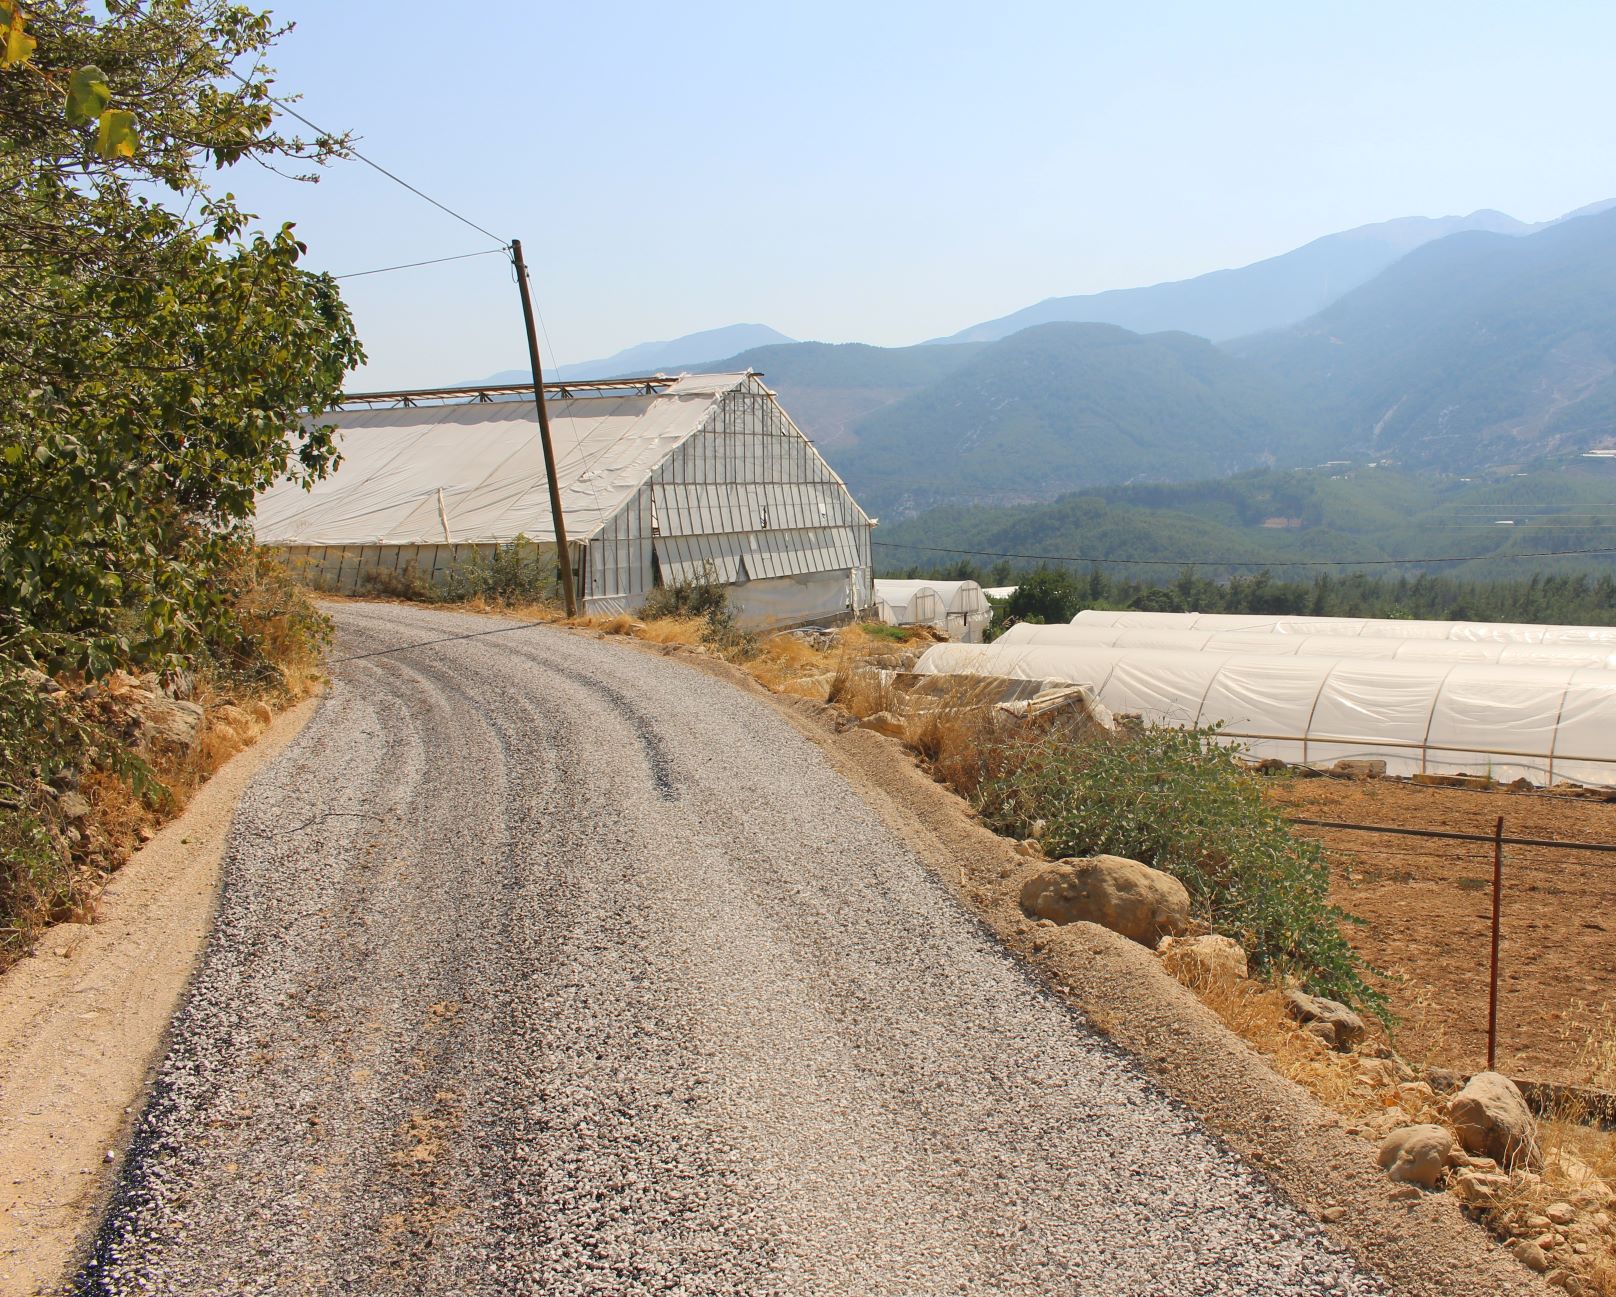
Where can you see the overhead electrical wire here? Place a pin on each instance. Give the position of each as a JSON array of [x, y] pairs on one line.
[[411, 265], [374, 165]]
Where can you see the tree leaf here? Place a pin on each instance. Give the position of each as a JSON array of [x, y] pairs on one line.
[[19, 46], [87, 95], [116, 138]]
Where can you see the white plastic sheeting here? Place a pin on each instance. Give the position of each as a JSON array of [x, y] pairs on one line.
[[959, 607], [474, 472], [1547, 724], [1496, 632], [1339, 646]]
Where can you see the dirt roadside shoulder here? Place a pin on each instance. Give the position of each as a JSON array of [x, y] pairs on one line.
[[82, 1024], [1424, 1247]]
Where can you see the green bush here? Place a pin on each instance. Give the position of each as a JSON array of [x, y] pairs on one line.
[[707, 599], [696, 597], [1176, 800], [519, 571]]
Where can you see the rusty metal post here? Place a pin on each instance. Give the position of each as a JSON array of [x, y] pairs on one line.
[[563, 554], [1492, 978]]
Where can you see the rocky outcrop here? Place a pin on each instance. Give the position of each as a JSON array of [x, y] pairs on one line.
[[1128, 897], [1492, 1120]]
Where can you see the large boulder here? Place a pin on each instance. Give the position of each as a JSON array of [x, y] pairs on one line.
[[1210, 960], [1128, 897], [166, 721], [1347, 1028], [1416, 1154], [1493, 1121]]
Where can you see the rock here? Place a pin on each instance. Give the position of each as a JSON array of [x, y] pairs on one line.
[[75, 806], [1378, 1072], [1359, 768], [1416, 1095], [887, 723], [262, 714], [1305, 1008], [1492, 1119], [1416, 1154], [168, 721], [1330, 1215], [1531, 1256], [1480, 1189], [1560, 1213], [1443, 1080], [1029, 848], [1404, 1193], [1321, 1030], [1210, 960], [235, 718], [1130, 898]]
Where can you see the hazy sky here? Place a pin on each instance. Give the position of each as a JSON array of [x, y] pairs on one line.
[[885, 172]]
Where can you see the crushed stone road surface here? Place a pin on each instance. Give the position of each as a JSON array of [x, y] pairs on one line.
[[546, 966]]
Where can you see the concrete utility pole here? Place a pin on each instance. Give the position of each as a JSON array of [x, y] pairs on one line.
[[568, 598]]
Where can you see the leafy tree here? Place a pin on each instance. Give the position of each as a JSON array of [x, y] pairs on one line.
[[156, 351], [1047, 595]]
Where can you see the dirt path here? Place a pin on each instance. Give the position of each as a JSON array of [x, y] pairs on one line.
[[81, 1023], [545, 966]]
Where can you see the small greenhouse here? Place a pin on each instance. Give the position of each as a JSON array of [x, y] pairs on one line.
[[958, 607], [1547, 724], [661, 480], [1340, 646], [1385, 627]]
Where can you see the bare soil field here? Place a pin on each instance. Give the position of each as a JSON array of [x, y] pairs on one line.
[[1427, 904]]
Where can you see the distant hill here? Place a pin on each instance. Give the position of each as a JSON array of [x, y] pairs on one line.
[[677, 354], [1285, 517], [1264, 295], [1064, 406], [1475, 350], [829, 388]]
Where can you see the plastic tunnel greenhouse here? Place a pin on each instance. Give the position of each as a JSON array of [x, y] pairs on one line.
[[1297, 645], [1546, 724], [1497, 632], [959, 607]]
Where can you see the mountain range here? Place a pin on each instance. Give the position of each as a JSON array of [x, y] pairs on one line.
[[1462, 345]]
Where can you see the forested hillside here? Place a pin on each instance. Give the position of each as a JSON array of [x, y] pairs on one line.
[[1282, 519], [1065, 406]]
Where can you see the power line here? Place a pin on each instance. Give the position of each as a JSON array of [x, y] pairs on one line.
[[1260, 563], [411, 265], [377, 166]]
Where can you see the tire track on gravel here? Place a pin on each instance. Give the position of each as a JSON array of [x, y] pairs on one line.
[[620, 989]]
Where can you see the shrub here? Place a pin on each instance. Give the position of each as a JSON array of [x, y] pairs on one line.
[[1176, 800], [695, 597], [519, 571]]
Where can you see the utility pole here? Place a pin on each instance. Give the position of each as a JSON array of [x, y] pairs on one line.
[[568, 597]]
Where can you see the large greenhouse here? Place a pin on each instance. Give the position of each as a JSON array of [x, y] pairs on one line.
[[1546, 723], [661, 480]]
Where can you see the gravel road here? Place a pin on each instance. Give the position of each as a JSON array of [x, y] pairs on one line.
[[545, 965]]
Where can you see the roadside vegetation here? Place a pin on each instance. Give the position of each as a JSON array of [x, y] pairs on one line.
[[159, 353]]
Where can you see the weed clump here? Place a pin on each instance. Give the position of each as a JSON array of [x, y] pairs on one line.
[[519, 571], [705, 599], [1176, 800]]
